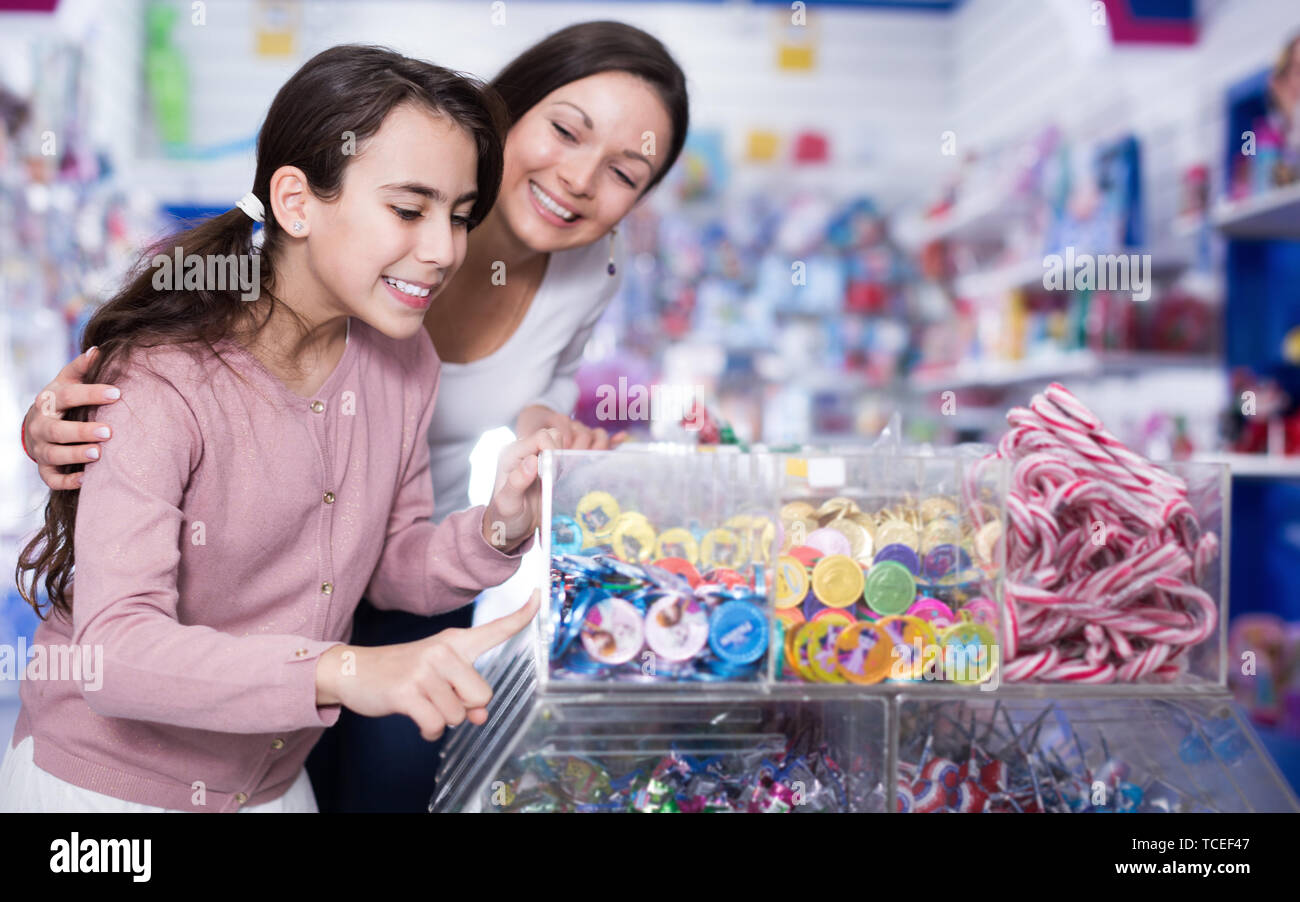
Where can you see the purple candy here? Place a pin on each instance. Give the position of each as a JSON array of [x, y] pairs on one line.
[[811, 605], [902, 554], [945, 559]]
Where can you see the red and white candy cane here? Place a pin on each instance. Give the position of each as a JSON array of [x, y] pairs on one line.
[[1068, 404], [1076, 449], [1207, 551], [1103, 552]]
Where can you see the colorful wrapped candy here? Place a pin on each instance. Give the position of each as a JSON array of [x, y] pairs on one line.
[[865, 597], [757, 781], [631, 602]]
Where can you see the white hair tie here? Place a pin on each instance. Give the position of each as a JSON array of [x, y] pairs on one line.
[[253, 207]]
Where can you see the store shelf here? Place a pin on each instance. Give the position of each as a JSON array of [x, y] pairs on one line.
[[1257, 466], [1274, 214], [984, 217], [1166, 259], [829, 379], [1067, 365], [1009, 277]]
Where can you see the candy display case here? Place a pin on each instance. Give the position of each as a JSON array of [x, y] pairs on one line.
[[811, 748], [878, 568], [1120, 606], [513, 678], [790, 706], [1023, 754], [1024, 572], [696, 752], [659, 567], [695, 567]]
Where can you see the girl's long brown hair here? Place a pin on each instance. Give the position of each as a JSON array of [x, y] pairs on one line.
[[319, 118]]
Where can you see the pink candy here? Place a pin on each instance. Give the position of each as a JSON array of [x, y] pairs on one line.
[[1104, 553]]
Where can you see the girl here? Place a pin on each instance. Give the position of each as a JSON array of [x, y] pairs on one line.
[[269, 467], [583, 106]]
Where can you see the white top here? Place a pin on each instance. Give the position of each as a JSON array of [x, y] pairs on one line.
[[536, 365], [25, 788]]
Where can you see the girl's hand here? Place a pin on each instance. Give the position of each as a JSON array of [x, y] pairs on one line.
[[573, 435], [516, 506], [432, 681], [54, 441]]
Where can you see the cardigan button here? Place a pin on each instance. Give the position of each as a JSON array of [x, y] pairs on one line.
[[317, 406], [329, 497], [241, 798], [327, 588], [277, 744]]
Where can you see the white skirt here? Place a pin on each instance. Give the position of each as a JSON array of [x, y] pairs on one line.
[[24, 787]]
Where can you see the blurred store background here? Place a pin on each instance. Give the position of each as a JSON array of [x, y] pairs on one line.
[[858, 226]]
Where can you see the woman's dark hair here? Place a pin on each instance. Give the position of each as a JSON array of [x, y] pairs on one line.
[[317, 122], [589, 48]]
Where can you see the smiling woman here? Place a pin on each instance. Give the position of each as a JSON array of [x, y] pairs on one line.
[[578, 160], [597, 115]]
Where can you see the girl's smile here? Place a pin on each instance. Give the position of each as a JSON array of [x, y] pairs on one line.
[[413, 294]]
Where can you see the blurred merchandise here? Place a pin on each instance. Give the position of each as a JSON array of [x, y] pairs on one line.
[[1264, 651], [69, 233], [1261, 418], [800, 290], [1195, 198]]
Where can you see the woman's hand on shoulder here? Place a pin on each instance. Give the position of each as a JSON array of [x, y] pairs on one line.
[[53, 441]]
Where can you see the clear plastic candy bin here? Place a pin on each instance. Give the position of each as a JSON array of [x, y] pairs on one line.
[[889, 569], [716, 754], [867, 567], [1022, 754], [658, 566], [1150, 612]]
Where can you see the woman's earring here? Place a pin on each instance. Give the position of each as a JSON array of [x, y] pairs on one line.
[[610, 268], [297, 226]]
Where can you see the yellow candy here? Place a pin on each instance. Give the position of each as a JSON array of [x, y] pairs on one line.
[[720, 548], [597, 512], [634, 537], [837, 581], [677, 542], [791, 582]]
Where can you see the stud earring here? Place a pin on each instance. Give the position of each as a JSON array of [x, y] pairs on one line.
[[610, 268], [297, 226]]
